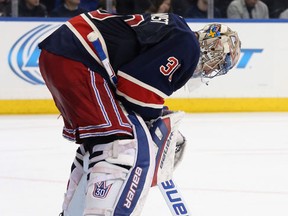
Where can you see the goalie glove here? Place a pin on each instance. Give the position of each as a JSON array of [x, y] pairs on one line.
[[169, 141], [180, 149], [180, 140]]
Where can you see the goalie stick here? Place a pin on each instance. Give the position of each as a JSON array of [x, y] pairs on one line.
[[168, 188], [173, 198]]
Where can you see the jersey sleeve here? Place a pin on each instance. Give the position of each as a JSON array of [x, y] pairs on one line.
[[155, 74]]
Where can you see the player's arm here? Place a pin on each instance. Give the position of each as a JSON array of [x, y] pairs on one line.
[[144, 83]]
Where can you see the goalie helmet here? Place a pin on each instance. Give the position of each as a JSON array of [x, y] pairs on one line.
[[219, 50]]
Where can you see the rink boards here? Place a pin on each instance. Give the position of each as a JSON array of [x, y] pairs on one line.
[[258, 83]]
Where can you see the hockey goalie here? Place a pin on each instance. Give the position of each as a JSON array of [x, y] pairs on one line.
[[109, 75]]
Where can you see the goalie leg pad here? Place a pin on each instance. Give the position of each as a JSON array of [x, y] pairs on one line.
[[122, 175], [77, 176]]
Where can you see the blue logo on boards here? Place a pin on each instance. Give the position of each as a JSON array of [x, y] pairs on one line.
[[247, 55], [24, 54]]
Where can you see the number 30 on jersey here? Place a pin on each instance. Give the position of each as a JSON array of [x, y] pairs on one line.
[[171, 66]]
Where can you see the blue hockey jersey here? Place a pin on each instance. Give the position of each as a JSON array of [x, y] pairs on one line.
[[153, 55]]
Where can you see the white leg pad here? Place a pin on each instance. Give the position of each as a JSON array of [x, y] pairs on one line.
[[106, 181], [76, 204], [73, 203], [113, 190]]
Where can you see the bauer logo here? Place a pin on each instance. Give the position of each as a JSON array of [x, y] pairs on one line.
[[24, 54], [133, 187], [174, 198]]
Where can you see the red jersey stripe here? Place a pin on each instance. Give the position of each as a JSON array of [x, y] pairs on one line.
[[139, 93]]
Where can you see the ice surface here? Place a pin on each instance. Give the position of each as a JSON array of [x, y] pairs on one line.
[[236, 164]]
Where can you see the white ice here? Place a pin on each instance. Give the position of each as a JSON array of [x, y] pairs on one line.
[[236, 164]]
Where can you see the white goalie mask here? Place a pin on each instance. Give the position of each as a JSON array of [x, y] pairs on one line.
[[219, 50]]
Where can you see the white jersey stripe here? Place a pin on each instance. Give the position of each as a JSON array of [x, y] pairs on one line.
[[139, 103], [95, 29], [142, 84], [84, 43]]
